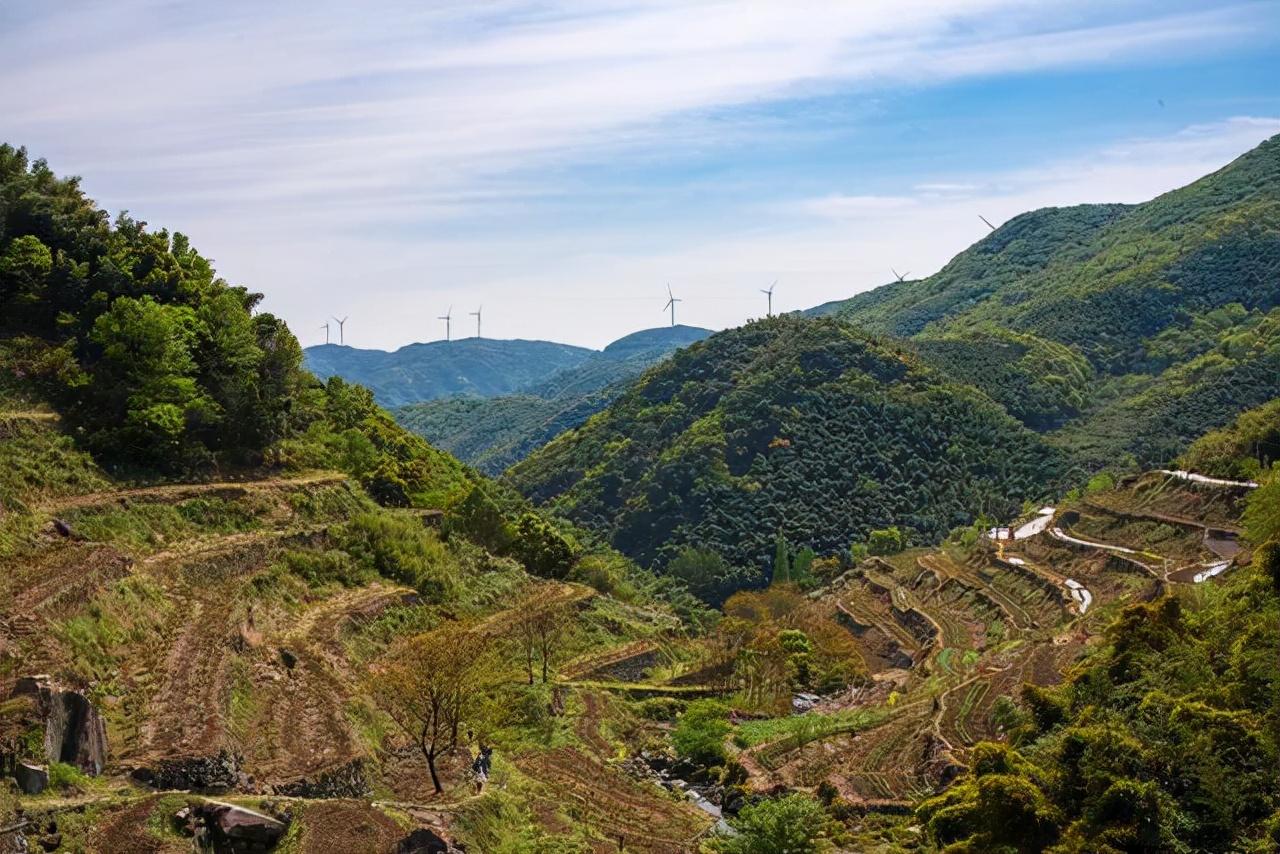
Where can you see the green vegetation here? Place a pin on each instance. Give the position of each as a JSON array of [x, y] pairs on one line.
[[492, 433], [1243, 449], [794, 824], [397, 548], [801, 429], [700, 732]]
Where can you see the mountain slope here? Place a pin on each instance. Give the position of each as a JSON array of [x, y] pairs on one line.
[[1106, 279], [494, 433], [481, 367], [786, 427]]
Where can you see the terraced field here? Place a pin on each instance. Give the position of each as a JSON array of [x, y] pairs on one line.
[[972, 627]]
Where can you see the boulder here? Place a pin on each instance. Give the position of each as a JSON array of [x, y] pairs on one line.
[[74, 731], [240, 828], [423, 841], [31, 779]]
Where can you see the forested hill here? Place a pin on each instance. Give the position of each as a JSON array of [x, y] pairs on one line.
[[1106, 279], [792, 429], [1128, 329], [493, 433], [481, 367]]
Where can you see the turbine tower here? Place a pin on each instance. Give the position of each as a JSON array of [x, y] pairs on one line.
[[326, 332], [769, 294], [476, 315], [447, 317], [342, 338], [900, 276], [671, 304]]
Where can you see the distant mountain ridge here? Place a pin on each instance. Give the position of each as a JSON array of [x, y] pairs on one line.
[[494, 433], [479, 367]]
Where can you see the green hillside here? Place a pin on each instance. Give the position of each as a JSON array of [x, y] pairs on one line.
[[1127, 329], [494, 433], [804, 430], [1107, 279]]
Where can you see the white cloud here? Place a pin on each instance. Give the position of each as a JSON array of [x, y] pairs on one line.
[[338, 153]]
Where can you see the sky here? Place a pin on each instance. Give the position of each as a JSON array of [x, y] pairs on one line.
[[559, 163]]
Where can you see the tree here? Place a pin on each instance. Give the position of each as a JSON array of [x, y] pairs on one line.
[[480, 520], [542, 548], [791, 825], [539, 626], [707, 575], [700, 732], [781, 561], [430, 684]]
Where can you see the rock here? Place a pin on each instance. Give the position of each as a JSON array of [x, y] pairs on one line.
[[288, 658], [219, 773], [52, 842], [345, 781], [62, 528], [31, 779], [239, 827], [423, 841], [74, 732]]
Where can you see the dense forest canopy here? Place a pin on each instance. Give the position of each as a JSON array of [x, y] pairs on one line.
[[805, 431], [161, 367]]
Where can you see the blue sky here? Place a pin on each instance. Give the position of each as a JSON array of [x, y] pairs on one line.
[[560, 162]]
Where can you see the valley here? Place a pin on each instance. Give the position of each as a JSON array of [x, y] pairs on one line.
[[899, 578]]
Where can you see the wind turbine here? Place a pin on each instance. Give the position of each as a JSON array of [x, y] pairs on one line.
[[769, 294], [671, 304], [447, 317], [900, 276], [987, 221], [476, 315], [326, 332], [342, 338]]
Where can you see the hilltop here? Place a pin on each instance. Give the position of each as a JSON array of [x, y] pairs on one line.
[[801, 431], [494, 433], [481, 367], [1143, 325]]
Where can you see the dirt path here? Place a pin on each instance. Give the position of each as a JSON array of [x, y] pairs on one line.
[[173, 492]]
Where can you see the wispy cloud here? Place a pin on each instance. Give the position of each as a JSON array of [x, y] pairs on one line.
[[434, 147]]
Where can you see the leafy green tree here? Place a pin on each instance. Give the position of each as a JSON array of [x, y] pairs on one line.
[[543, 549], [781, 561], [886, 541], [24, 267], [700, 732], [707, 575], [144, 383], [795, 824], [480, 520]]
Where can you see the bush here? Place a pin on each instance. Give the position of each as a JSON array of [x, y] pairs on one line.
[[327, 567], [886, 541], [63, 777], [700, 732], [400, 549], [791, 825], [542, 548]]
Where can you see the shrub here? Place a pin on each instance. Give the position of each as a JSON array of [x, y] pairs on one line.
[[794, 825], [63, 776], [542, 548], [400, 549], [700, 732]]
